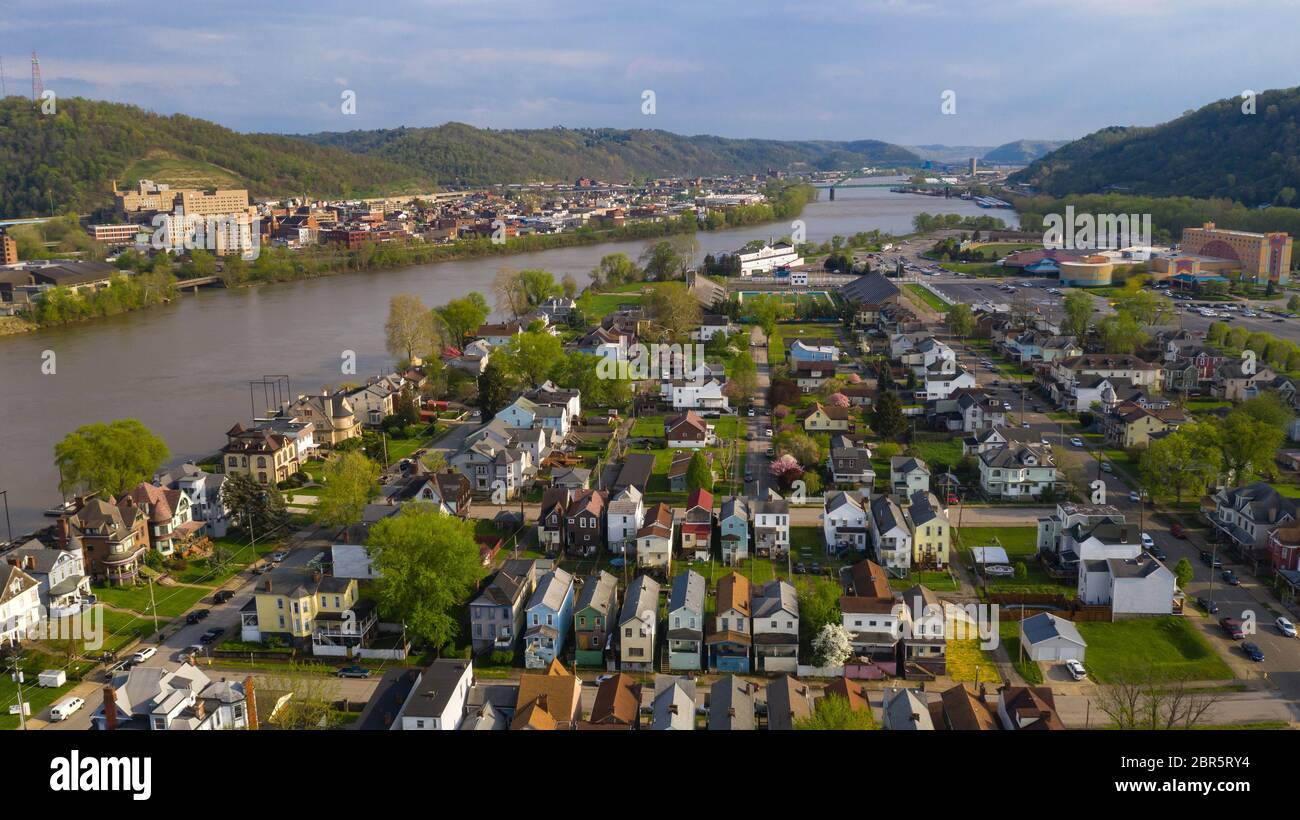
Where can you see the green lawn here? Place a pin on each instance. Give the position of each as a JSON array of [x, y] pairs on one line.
[[651, 426], [1009, 635], [170, 601], [947, 453], [1017, 541], [1167, 648], [928, 297]]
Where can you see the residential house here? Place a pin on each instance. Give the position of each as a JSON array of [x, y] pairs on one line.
[[924, 620], [307, 609], [1129, 425], [549, 394], [850, 465], [113, 539], [1246, 515], [597, 604], [438, 700], [789, 701], [449, 492], [373, 402], [623, 517], [548, 701], [686, 430], [704, 395], [733, 527], [168, 516], [907, 475], [493, 461], [159, 698], [966, 711], [635, 471], [674, 704], [854, 693], [497, 615], [821, 419], [697, 526], [206, 494], [686, 621], [680, 467], [584, 522], [63, 587], [931, 533], [638, 623], [1028, 707], [264, 456], [1140, 585], [812, 350], [20, 605], [712, 324], [905, 710], [527, 414], [571, 478], [771, 528], [654, 540], [731, 704], [776, 627], [729, 639], [889, 533], [617, 704], [939, 384], [547, 618], [331, 416], [1016, 470], [811, 375], [844, 521], [1231, 382]]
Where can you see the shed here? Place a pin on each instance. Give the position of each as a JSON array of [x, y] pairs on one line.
[[1046, 637]]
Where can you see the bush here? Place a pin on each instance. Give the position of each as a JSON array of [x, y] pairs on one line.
[[502, 657], [887, 449]]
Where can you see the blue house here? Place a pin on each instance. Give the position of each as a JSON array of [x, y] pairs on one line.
[[729, 639], [800, 352], [733, 519], [547, 619]]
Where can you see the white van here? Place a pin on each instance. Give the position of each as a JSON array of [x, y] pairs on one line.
[[65, 709], [144, 654]]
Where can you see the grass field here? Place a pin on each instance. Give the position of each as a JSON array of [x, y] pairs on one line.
[[1166, 648], [946, 453], [929, 298], [178, 172]]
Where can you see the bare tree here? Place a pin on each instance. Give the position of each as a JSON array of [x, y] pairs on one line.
[[508, 289], [1139, 701], [312, 695], [407, 329]]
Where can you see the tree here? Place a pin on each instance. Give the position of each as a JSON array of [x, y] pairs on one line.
[[1293, 304], [783, 391], [803, 447], [250, 502], [615, 269], [1121, 333], [538, 285], [1183, 572], [819, 605], [766, 310], [1216, 334], [660, 261], [493, 389], [961, 322], [673, 308], [1180, 462], [463, 316], [744, 375], [508, 288], [834, 713], [569, 285], [351, 482], [887, 416], [311, 705], [832, 646], [1138, 699], [108, 458], [407, 330], [1078, 312], [428, 564], [528, 357], [1248, 445], [698, 474]]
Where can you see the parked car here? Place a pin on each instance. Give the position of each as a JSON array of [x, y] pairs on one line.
[[1177, 530], [144, 654], [222, 596], [1208, 605], [192, 618], [800, 569], [1076, 669], [1232, 627], [279, 555], [1106, 468], [1285, 627], [65, 708], [1230, 578], [1134, 497], [354, 671], [767, 432], [1253, 651], [211, 635], [1147, 541], [1076, 442], [1157, 553]]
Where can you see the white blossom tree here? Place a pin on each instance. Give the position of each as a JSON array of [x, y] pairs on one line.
[[831, 647]]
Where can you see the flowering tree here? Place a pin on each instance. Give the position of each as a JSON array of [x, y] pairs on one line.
[[783, 464], [854, 378], [838, 400], [831, 646]]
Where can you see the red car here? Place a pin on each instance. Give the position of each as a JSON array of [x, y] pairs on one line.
[[1177, 530], [1232, 627]]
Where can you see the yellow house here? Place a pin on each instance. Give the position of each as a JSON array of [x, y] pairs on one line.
[[307, 609], [931, 533], [822, 418], [265, 456]]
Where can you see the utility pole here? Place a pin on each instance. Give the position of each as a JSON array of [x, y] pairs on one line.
[[17, 674], [8, 526], [152, 606]]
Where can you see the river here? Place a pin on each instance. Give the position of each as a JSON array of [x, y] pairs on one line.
[[183, 369]]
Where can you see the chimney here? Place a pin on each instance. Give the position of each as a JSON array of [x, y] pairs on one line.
[[63, 531], [315, 576], [199, 710], [250, 702], [672, 708], [267, 585], [731, 711], [110, 707]]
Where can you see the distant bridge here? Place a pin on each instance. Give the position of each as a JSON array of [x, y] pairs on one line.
[[199, 282]]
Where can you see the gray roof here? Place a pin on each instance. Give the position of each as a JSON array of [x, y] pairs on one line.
[[1045, 626], [642, 596], [872, 289], [598, 592], [687, 591], [673, 692], [775, 596], [436, 686], [899, 707], [734, 506], [924, 508], [551, 590], [886, 513], [731, 704]]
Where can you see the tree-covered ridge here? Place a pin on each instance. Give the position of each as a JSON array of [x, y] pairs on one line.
[[1214, 152], [459, 154], [67, 160], [1022, 151]]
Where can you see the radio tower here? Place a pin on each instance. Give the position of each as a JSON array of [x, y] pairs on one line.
[[37, 87]]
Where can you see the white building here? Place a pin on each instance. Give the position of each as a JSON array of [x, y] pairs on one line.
[[437, 701], [768, 258]]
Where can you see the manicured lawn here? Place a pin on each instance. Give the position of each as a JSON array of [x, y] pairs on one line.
[[928, 297], [651, 426], [947, 453], [1017, 541], [1167, 648], [171, 601]]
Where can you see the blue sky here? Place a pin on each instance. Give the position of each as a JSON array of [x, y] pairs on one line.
[[1051, 69]]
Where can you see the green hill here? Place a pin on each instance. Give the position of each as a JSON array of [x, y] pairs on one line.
[[458, 154], [71, 158], [1021, 151], [1213, 152]]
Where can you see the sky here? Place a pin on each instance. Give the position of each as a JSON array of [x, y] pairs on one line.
[[831, 69]]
